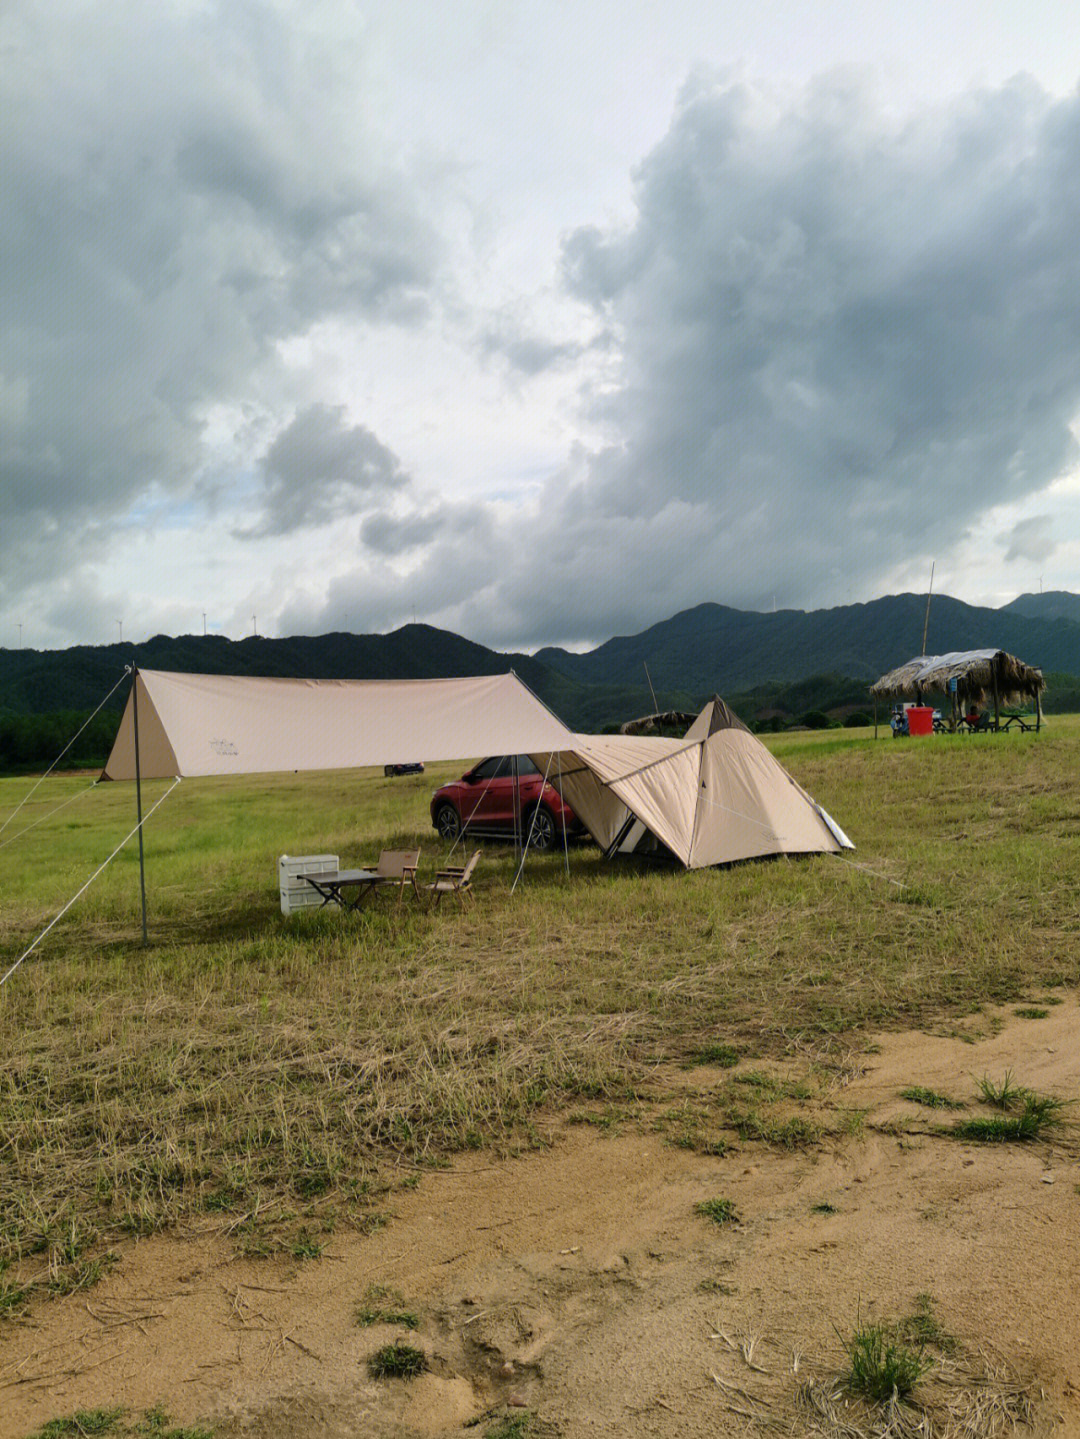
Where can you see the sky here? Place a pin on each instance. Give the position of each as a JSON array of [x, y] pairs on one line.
[[537, 321]]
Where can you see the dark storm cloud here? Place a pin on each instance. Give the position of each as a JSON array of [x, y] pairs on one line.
[[182, 192], [321, 468], [846, 335]]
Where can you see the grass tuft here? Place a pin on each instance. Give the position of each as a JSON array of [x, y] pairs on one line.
[[1002, 1094], [930, 1098], [882, 1366], [1040, 1111], [397, 1361], [720, 1211], [511, 1426], [84, 1422]]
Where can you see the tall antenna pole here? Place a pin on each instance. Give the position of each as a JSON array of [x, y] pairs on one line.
[[648, 676], [926, 621]]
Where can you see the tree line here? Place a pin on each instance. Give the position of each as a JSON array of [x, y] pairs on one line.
[[33, 741]]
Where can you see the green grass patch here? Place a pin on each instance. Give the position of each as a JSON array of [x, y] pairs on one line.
[[793, 1133], [930, 1098], [922, 1328], [722, 1056], [154, 1424], [720, 1211], [382, 1305], [1031, 1011], [397, 1361], [511, 1426], [84, 1422]]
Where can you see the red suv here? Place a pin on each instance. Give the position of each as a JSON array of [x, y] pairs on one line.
[[483, 801]]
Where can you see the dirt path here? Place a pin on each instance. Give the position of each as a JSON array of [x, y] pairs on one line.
[[580, 1283]]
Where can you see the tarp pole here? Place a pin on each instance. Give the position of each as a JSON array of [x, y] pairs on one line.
[[138, 797], [518, 828], [565, 841]]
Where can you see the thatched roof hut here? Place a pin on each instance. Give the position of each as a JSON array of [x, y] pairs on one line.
[[659, 724], [981, 676]]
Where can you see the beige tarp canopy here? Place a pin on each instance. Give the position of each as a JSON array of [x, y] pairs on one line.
[[192, 725], [716, 796]]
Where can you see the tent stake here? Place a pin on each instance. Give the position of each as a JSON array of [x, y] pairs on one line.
[[138, 797]]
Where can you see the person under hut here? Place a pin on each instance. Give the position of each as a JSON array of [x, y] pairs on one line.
[[975, 719]]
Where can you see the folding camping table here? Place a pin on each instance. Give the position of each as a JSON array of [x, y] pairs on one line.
[[332, 886]]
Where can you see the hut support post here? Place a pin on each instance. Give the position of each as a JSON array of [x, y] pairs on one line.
[[875, 716], [997, 699], [1038, 712]]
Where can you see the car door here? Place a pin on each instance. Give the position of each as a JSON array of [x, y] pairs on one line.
[[489, 797]]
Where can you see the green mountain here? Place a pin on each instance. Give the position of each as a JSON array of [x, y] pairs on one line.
[[712, 647], [1053, 605]]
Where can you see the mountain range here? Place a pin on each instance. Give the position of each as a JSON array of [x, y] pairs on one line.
[[710, 648]]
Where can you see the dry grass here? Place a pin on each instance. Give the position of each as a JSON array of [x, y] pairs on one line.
[[278, 1075]]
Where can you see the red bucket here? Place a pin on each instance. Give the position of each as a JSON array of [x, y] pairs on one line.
[[920, 720]]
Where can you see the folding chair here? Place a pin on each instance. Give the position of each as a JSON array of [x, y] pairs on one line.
[[454, 879], [398, 866]]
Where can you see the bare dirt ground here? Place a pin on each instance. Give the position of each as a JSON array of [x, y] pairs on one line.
[[579, 1285]]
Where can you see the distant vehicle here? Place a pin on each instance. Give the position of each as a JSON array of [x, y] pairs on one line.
[[482, 801], [392, 769]]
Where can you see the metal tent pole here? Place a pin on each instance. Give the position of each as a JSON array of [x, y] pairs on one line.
[[138, 797], [519, 818]]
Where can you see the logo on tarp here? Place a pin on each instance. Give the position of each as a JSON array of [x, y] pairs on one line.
[[225, 748]]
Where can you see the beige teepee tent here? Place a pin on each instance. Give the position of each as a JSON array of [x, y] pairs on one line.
[[715, 796]]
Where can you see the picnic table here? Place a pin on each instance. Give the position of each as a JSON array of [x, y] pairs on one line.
[[1023, 719], [333, 885]]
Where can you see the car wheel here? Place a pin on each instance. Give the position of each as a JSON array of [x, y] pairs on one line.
[[448, 822], [543, 827]]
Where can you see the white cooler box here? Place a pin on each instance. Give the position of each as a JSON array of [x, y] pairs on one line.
[[297, 893]]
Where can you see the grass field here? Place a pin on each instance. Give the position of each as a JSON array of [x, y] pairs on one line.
[[283, 1075]]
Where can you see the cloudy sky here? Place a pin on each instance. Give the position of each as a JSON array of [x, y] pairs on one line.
[[538, 320]]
